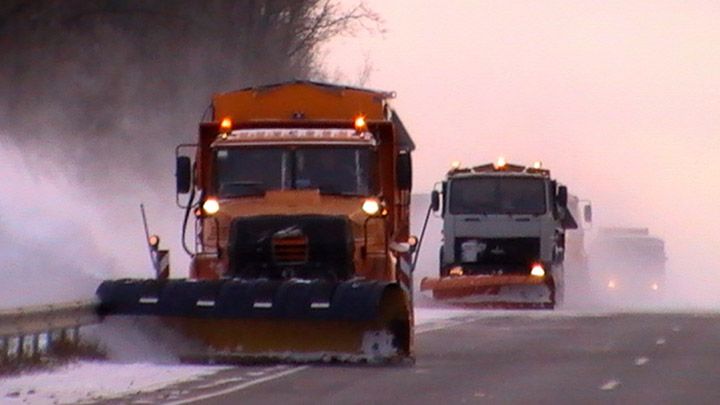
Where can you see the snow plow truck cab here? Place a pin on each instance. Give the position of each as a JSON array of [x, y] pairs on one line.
[[504, 237]]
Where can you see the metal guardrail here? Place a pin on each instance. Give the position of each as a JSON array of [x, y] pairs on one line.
[[29, 331]]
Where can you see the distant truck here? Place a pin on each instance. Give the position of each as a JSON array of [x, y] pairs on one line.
[[576, 239], [504, 237], [577, 272], [627, 263]]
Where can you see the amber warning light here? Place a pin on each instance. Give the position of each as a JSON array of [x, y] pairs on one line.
[[226, 125], [360, 124]]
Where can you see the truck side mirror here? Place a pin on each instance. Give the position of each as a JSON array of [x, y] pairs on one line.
[[404, 171], [587, 213], [562, 197], [435, 200], [183, 174]]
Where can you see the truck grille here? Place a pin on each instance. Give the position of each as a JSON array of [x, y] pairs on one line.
[[493, 252], [291, 246], [290, 250]]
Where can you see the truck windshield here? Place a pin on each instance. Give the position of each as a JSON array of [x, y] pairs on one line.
[[632, 250], [497, 195], [242, 171]]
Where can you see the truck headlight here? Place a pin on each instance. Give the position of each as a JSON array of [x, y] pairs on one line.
[[537, 270], [371, 206], [211, 206]]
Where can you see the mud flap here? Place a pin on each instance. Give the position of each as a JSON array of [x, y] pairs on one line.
[[249, 320]]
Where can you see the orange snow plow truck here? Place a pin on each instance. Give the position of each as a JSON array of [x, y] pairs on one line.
[[298, 200]]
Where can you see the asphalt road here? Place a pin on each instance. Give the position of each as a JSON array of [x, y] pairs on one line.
[[504, 357]]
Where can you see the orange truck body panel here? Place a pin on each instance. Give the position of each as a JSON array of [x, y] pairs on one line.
[[313, 101]]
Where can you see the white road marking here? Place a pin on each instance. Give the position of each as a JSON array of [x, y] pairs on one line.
[[240, 387], [220, 382], [640, 361], [610, 385], [430, 327], [441, 324], [660, 341], [256, 373], [676, 329]]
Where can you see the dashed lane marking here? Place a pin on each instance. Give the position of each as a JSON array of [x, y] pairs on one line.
[[660, 341], [479, 394], [610, 385], [641, 361]]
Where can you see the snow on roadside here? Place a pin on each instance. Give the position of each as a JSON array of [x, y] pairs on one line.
[[92, 381], [429, 315]]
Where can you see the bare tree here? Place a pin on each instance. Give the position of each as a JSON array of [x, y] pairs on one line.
[[109, 82]]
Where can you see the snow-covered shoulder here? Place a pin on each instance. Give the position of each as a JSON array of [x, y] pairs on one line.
[[94, 381]]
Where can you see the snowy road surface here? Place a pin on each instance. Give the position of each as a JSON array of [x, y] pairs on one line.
[[463, 356], [104, 381], [512, 357]]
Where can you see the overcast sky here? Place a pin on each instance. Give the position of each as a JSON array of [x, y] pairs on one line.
[[620, 99]]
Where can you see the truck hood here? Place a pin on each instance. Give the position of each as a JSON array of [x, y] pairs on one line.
[[292, 202], [497, 226]]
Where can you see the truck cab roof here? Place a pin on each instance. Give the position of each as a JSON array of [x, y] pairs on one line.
[[470, 174], [500, 168], [305, 100]]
